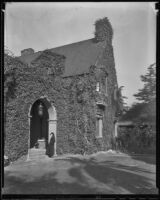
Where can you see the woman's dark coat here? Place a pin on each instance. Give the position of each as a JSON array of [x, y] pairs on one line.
[[50, 149]]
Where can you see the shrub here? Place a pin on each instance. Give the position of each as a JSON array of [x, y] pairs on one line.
[[138, 139], [79, 151]]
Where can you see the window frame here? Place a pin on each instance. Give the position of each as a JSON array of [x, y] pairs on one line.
[[98, 86], [99, 127]]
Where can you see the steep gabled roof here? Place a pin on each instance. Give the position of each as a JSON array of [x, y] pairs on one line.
[[79, 56]]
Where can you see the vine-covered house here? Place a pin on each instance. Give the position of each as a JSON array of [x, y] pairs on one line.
[[68, 90]]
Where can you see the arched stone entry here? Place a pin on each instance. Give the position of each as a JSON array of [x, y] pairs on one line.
[[42, 126], [38, 124]]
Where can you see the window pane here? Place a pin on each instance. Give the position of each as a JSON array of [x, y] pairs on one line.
[[99, 127], [97, 87]]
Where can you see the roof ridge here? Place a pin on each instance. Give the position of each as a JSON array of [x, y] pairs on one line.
[[57, 47], [72, 43], [79, 55]]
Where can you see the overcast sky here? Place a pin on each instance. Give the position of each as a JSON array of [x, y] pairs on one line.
[[47, 25]]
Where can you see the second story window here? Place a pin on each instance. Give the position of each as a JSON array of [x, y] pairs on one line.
[[98, 87], [102, 85]]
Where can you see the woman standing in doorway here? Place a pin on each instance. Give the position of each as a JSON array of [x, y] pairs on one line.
[[50, 149]]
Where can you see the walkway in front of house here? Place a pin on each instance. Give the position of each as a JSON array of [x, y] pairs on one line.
[[100, 173]]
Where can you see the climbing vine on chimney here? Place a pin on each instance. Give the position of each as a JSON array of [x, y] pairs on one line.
[[103, 30]]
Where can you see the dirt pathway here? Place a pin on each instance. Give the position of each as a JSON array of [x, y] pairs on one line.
[[101, 173]]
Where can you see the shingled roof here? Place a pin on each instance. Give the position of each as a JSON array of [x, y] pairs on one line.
[[79, 56]]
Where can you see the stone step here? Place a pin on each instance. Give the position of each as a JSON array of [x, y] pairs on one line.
[[37, 150], [37, 154], [37, 158]]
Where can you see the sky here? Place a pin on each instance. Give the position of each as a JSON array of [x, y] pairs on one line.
[[46, 25]]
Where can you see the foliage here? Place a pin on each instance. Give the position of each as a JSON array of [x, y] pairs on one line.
[[81, 106], [148, 92], [73, 97], [141, 112], [52, 61], [9, 80], [103, 30], [10, 64], [119, 98], [8, 52], [137, 139], [142, 137], [145, 111]]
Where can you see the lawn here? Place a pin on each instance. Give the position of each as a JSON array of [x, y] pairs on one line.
[[100, 173]]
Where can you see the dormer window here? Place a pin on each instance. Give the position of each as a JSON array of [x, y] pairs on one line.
[[98, 87]]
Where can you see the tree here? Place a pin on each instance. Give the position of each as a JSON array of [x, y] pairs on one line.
[[148, 92], [120, 99], [143, 114], [145, 110]]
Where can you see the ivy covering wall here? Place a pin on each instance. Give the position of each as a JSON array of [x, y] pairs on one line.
[[73, 97]]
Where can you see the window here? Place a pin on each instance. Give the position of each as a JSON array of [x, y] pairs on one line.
[[99, 127], [102, 85], [98, 87]]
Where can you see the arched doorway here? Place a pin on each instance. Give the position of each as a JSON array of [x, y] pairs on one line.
[[39, 124], [42, 121]]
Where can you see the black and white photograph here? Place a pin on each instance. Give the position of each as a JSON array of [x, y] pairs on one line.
[[79, 98]]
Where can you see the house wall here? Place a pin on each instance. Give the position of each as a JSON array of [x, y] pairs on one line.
[[74, 99], [106, 61]]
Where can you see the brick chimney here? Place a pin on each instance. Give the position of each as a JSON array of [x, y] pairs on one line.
[[103, 30], [27, 51]]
